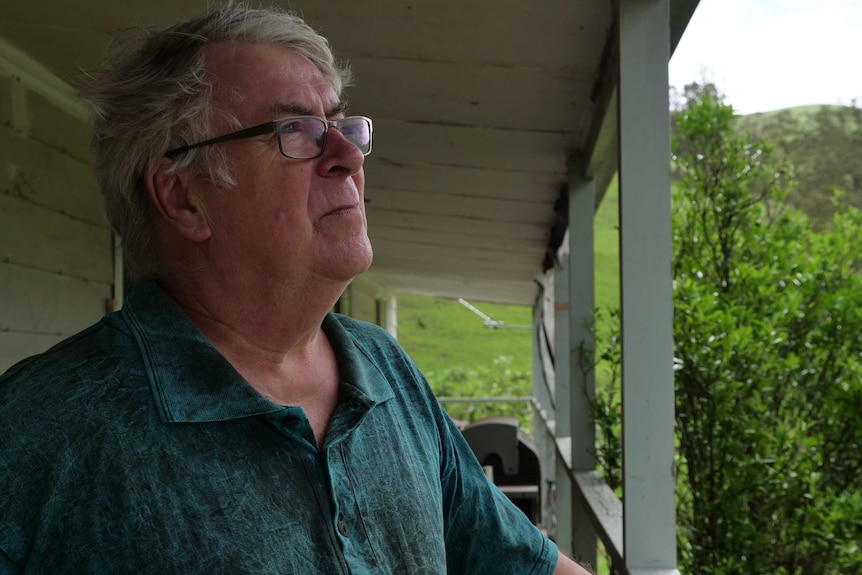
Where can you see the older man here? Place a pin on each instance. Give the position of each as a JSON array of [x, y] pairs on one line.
[[224, 421]]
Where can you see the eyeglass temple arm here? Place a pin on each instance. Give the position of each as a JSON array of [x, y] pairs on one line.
[[266, 128]]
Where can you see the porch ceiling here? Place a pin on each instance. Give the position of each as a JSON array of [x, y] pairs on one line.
[[477, 107]]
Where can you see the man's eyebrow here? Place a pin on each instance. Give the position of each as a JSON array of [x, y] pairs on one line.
[[295, 109], [339, 109], [290, 109]]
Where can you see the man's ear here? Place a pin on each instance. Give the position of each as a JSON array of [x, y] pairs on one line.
[[177, 199]]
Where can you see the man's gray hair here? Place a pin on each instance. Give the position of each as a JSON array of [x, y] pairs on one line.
[[152, 94]]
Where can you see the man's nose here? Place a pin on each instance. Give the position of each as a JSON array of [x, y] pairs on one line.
[[340, 155]]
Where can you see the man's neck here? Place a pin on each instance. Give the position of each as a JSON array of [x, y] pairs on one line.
[[276, 344]]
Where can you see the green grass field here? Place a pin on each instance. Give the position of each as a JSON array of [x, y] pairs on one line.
[[441, 334]]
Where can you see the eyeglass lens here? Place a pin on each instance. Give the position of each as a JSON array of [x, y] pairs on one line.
[[304, 137]]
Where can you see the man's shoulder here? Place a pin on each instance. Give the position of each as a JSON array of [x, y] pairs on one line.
[[377, 347], [75, 350], [360, 328], [71, 373], [367, 335]]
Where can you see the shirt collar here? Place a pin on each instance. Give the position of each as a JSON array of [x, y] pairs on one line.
[[193, 383]]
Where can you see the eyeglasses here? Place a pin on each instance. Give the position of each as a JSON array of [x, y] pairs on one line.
[[300, 137]]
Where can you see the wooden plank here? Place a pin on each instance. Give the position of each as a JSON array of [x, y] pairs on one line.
[[477, 182], [5, 98], [469, 269], [580, 281], [606, 511], [549, 34], [58, 129], [476, 147], [454, 204], [646, 290], [44, 176], [29, 71], [553, 33], [16, 346], [39, 302], [426, 237], [466, 93], [41, 238], [464, 225], [458, 257]]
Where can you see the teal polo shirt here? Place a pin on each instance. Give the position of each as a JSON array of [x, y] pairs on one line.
[[135, 447]]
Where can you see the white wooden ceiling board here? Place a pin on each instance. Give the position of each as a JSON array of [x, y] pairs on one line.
[[558, 34], [547, 34], [67, 35], [459, 205], [476, 268], [475, 257], [490, 148], [96, 16], [513, 247], [470, 94], [429, 268], [471, 100], [474, 182], [457, 225]]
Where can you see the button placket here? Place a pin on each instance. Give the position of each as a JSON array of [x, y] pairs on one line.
[[340, 494]]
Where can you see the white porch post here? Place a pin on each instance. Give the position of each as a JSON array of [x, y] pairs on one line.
[[562, 395], [543, 421], [581, 287], [392, 315], [649, 530]]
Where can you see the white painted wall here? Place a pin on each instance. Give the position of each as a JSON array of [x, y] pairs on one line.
[[56, 249]]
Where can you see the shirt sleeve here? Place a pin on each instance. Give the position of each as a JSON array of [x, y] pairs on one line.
[[485, 533]]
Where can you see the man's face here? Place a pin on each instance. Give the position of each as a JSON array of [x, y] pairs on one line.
[[286, 220]]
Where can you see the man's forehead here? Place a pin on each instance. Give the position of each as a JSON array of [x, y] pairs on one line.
[[271, 79], [235, 63]]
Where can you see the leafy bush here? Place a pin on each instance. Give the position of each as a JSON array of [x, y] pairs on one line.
[[497, 380], [768, 358]]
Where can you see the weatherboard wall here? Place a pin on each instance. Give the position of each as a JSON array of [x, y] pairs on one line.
[[56, 249]]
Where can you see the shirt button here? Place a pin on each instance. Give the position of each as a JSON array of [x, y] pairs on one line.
[[343, 528]]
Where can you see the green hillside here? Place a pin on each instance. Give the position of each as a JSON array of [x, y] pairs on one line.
[[822, 148], [441, 334]]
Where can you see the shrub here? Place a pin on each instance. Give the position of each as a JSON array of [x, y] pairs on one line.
[[768, 358], [496, 380]]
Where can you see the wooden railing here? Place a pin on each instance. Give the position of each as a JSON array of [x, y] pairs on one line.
[[603, 506]]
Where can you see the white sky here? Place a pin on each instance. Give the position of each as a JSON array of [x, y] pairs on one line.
[[770, 54]]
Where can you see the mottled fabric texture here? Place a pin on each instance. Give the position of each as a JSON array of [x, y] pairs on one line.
[[135, 447]]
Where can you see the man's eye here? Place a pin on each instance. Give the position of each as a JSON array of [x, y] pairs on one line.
[[292, 127]]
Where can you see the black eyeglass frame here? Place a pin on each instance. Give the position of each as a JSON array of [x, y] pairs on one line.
[[274, 127]]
